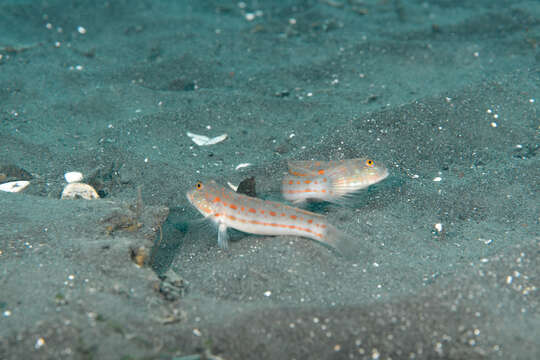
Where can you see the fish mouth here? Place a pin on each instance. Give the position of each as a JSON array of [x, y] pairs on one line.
[[384, 174], [189, 196]]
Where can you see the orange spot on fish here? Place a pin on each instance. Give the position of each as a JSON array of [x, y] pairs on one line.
[[293, 217], [262, 211], [320, 172], [217, 199], [272, 213], [232, 206], [310, 221], [298, 182], [252, 210], [307, 181], [291, 182]]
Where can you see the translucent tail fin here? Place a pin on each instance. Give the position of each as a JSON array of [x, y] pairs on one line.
[[348, 246]]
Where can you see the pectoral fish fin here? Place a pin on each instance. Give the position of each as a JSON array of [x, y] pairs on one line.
[[223, 237]]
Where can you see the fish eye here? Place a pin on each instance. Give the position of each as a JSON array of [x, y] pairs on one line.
[[370, 162], [199, 185]]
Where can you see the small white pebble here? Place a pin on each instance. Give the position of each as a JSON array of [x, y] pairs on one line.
[[531, 101], [39, 343], [292, 21], [197, 332], [476, 54], [495, 116], [14, 186], [267, 293], [250, 16], [509, 279], [437, 179], [489, 111], [73, 176], [438, 227], [81, 30], [493, 124], [6, 313]]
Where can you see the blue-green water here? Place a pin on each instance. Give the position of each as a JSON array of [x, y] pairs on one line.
[[445, 93]]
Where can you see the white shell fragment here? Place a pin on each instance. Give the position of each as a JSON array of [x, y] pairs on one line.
[[14, 186], [73, 176], [202, 140], [438, 227], [79, 190], [242, 165], [234, 187]]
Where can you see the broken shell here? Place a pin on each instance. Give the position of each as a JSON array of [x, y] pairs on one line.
[[242, 165], [234, 187], [14, 186], [202, 140], [73, 176], [79, 191]]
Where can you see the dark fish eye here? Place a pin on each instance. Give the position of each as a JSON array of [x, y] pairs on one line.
[[199, 185], [370, 162]]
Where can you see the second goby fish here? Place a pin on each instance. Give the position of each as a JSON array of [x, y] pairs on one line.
[[227, 208], [331, 181]]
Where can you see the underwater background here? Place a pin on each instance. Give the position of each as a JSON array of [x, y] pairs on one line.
[[444, 93]]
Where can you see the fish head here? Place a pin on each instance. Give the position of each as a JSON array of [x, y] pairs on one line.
[[200, 196], [371, 172]]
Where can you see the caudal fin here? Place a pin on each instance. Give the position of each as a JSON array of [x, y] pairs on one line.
[[348, 246]]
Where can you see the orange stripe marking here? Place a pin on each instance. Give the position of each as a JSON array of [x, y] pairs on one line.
[[252, 210]]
